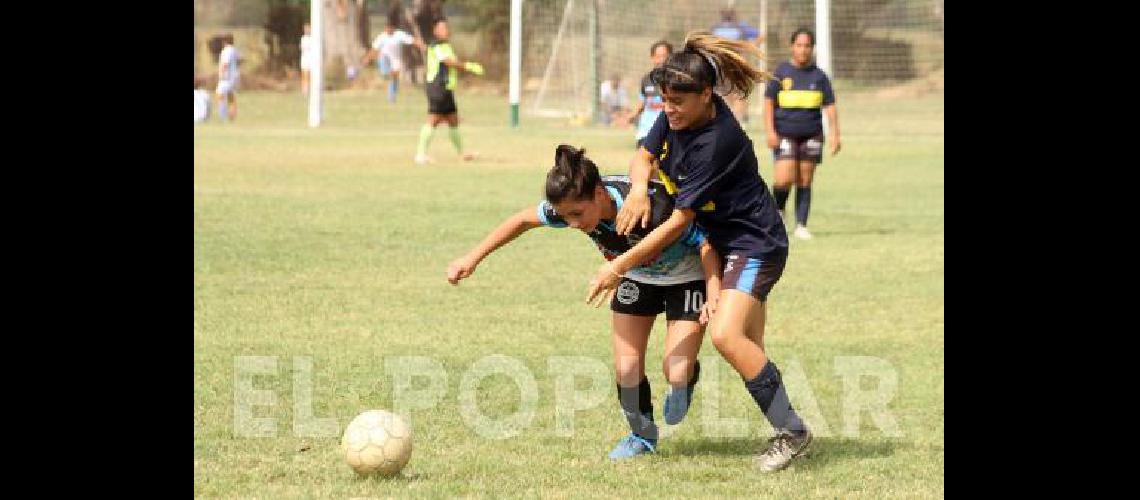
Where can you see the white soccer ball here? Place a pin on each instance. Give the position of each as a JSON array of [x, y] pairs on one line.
[[377, 442]]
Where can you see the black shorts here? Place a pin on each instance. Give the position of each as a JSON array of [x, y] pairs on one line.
[[799, 149], [751, 275], [440, 100], [682, 301]]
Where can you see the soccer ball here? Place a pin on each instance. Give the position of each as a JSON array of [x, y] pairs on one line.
[[377, 442]]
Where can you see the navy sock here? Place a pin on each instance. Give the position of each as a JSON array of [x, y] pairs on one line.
[[767, 389], [637, 404], [803, 205], [781, 195]]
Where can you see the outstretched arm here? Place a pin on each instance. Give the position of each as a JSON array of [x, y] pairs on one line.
[[515, 225]]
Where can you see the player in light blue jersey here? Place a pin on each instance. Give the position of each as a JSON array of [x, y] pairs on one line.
[[651, 102], [672, 281]]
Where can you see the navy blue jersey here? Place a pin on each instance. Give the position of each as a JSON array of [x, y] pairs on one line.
[[798, 94], [677, 263], [713, 171]]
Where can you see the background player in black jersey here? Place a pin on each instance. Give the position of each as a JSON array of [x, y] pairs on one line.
[[672, 281]]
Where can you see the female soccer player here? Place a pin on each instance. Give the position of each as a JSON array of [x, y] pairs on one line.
[[650, 104], [442, 76], [228, 78], [671, 282], [308, 57], [792, 105], [708, 163], [386, 50]]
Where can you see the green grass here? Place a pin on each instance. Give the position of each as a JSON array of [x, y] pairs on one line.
[[330, 244]]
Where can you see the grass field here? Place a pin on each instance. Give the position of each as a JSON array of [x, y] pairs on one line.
[[330, 245]]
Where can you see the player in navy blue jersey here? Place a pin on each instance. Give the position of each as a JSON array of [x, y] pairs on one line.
[[792, 104], [672, 280], [704, 158]]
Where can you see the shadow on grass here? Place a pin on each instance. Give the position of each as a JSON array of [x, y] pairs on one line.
[[402, 477], [850, 232], [822, 452]]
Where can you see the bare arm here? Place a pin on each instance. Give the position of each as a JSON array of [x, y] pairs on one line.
[[635, 209], [609, 274], [833, 123], [770, 122], [710, 262], [637, 110], [515, 225], [468, 66]]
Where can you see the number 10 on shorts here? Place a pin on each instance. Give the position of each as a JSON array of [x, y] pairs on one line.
[[696, 299]]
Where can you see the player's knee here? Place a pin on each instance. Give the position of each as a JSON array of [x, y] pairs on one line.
[[722, 337], [677, 370], [628, 370]]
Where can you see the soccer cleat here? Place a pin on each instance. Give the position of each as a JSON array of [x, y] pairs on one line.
[[802, 232], [422, 160], [783, 449], [678, 400], [631, 446]]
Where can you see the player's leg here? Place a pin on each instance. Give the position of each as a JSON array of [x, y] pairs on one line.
[[232, 99], [635, 306], [784, 172], [220, 94], [682, 344], [426, 131], [810, 155], [305, 82], [393, 85], [456, 140], [737, 332], [631, 335]]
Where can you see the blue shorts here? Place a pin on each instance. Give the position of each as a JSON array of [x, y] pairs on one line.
[[385, 65], [753, 276]]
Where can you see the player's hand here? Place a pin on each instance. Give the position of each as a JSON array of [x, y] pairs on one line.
[[834, 145], [773, 139], [709, 309], [603, 285], [459, 269], [634, 210], [474, 67]]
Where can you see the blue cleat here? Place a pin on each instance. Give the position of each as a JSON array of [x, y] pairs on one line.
[[677, 401], [633, 445]]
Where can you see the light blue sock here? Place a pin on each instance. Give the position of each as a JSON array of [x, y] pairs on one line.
[[392, 85], [223, 109]]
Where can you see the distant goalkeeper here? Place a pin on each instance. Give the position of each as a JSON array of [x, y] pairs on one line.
[[442, 75]]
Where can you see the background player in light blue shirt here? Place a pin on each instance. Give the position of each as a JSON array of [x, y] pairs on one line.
[[651, 103]]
